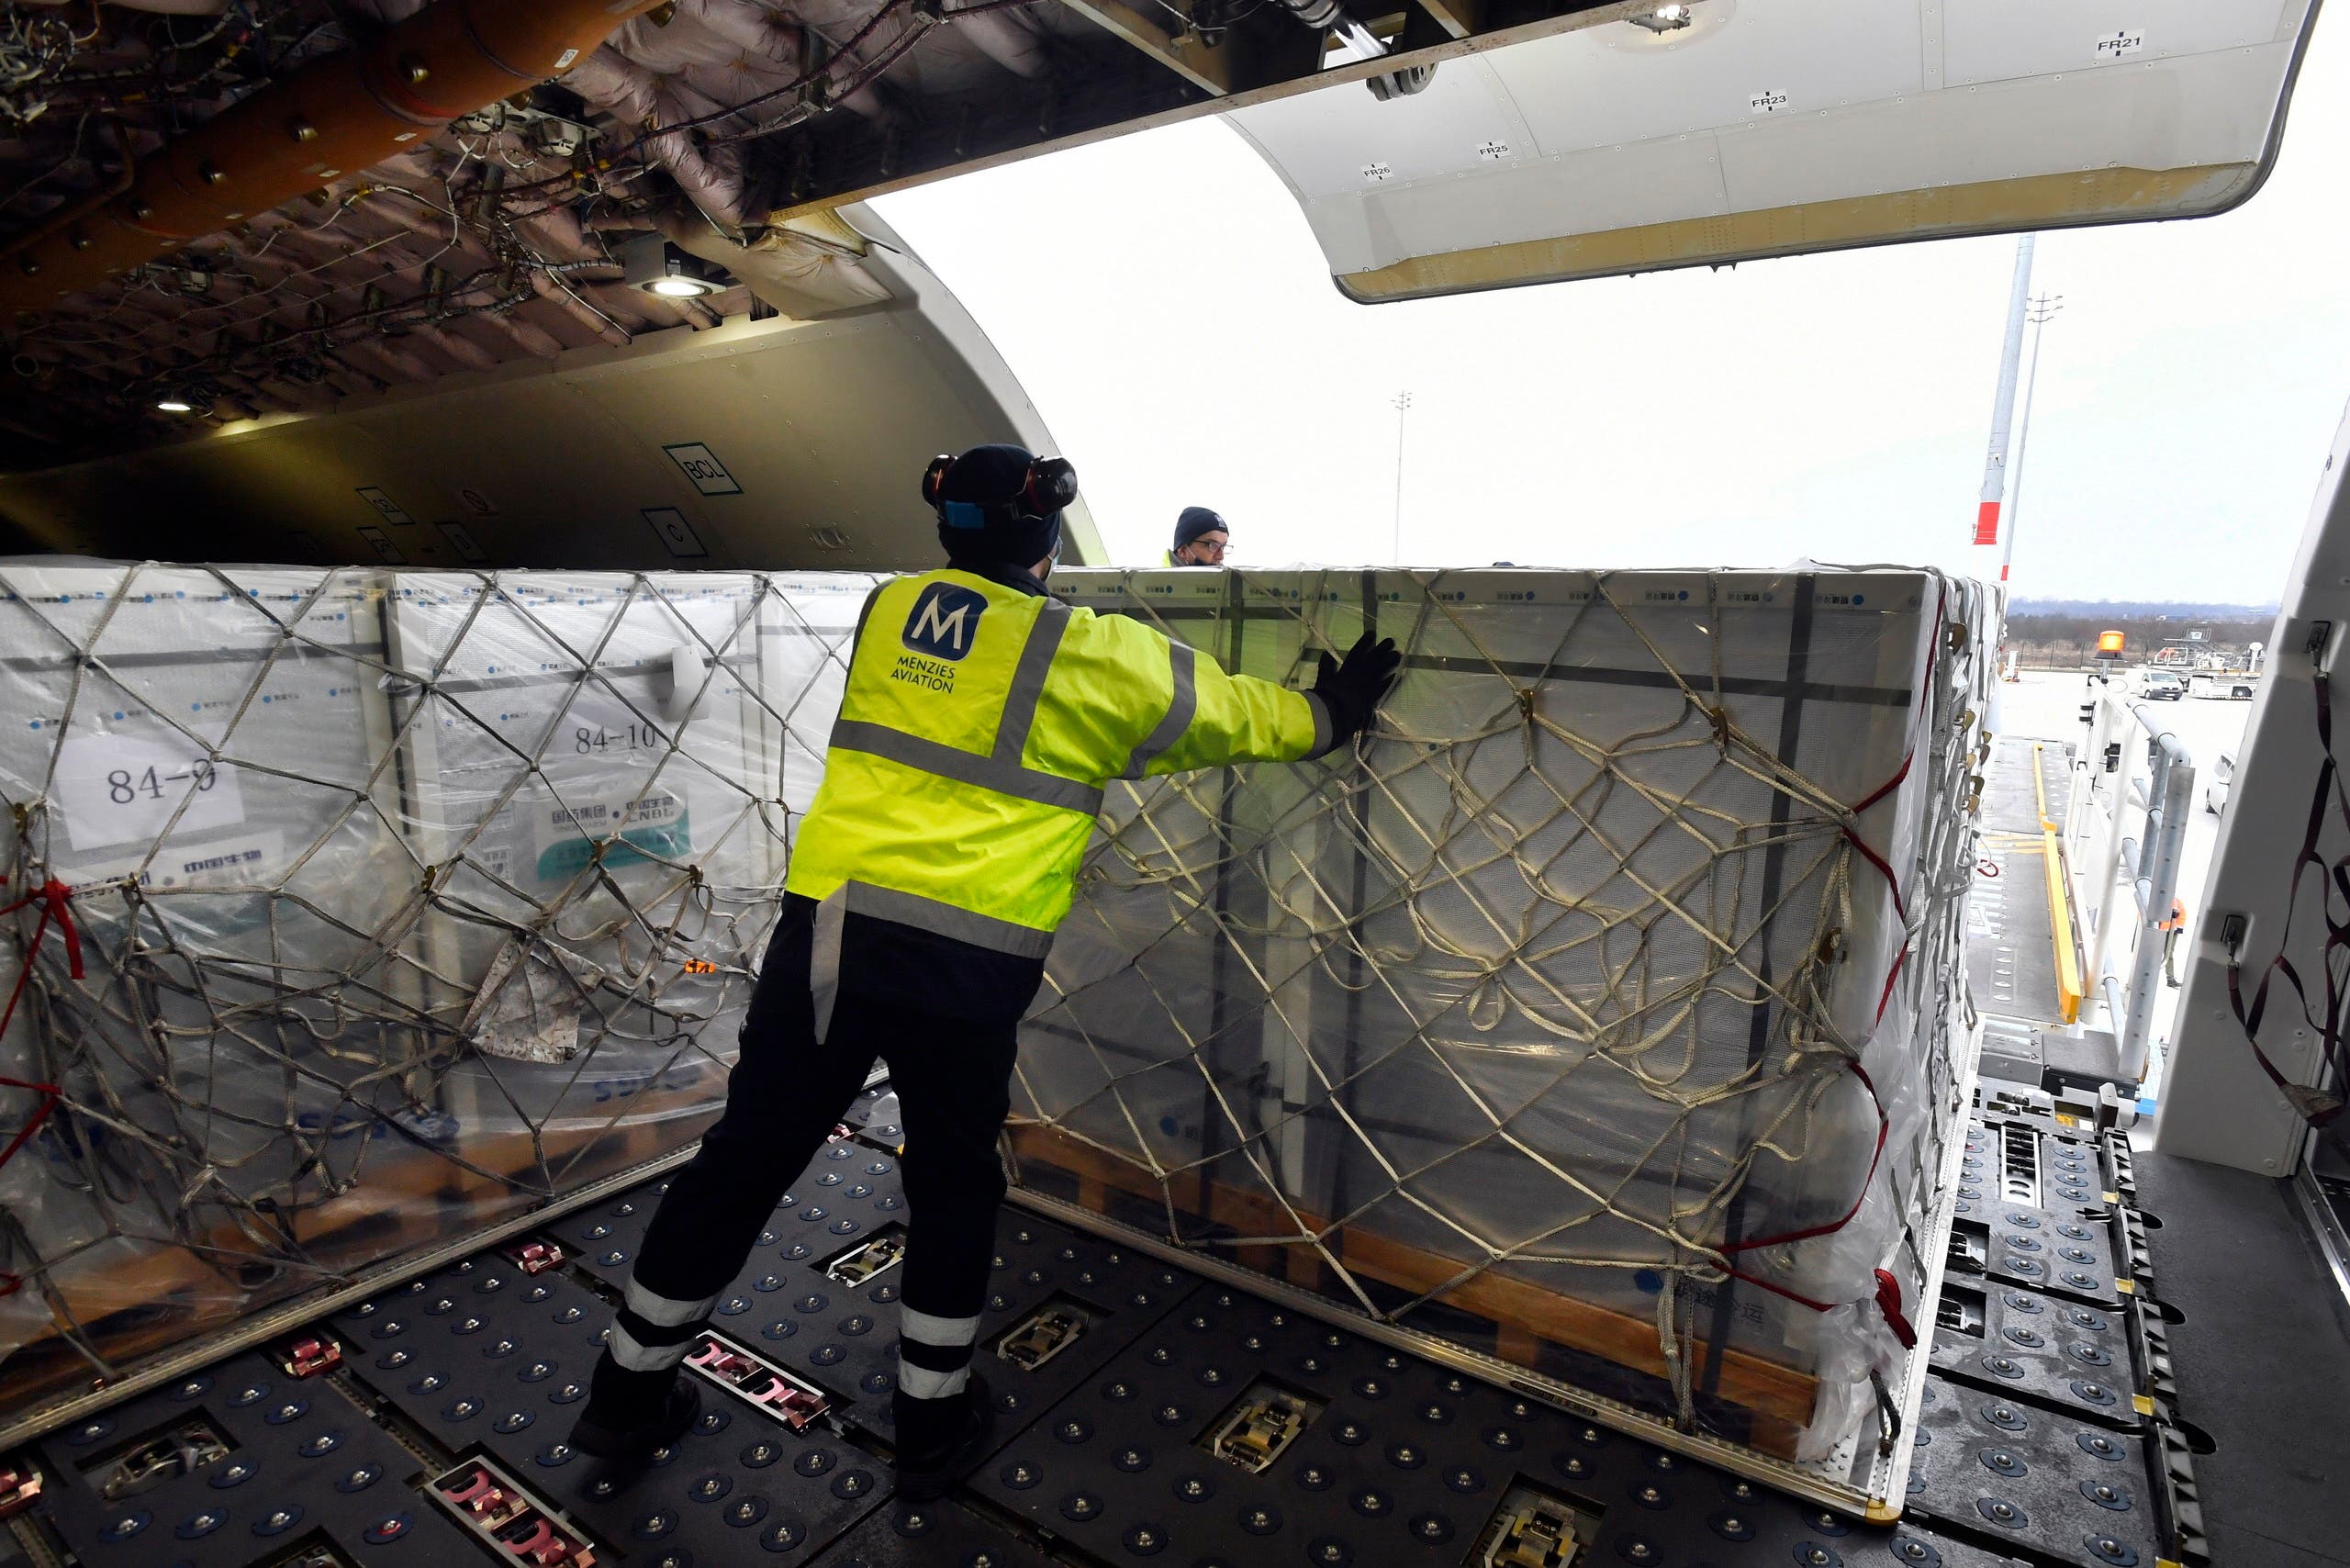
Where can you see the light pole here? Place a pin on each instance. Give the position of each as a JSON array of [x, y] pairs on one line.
[[2042, 311], [2003, 400], [1403, 401]]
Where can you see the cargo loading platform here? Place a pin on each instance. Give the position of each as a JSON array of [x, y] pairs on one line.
[[2014, 910]]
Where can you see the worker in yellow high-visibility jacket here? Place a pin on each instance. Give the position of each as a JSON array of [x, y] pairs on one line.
[[981, 720]]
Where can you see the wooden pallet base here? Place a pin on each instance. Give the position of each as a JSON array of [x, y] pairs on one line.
[[1531, 1326], [132, 1306]]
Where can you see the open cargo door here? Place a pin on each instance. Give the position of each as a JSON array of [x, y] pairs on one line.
[[767, 442], [1719, 131]]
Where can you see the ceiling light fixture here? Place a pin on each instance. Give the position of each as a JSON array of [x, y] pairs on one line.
[[1663, 20], [192, 396], [655, 266]]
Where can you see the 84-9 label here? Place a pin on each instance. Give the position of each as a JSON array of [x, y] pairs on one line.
[[118, 788], [124, 790]]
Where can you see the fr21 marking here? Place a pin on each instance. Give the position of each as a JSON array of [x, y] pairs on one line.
[[2115, 45], [702, 466]]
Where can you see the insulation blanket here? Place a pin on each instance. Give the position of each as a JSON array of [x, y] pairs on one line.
[[404, 902], [1601, 1010]]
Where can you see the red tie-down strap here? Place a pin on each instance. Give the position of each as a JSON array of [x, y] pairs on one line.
[[1888, 1289], [1887, 1294], [1900, 775], [56, 911], [1888, 1302]]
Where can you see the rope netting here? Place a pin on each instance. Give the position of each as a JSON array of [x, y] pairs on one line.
[[1621, 961], [1618, 964], [356, 909]]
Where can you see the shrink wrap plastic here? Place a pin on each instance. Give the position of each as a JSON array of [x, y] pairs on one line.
[[1603, 1009], [1600, 1010], [405, 901]]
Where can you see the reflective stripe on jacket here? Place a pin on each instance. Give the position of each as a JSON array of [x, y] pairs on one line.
[[979, 728]]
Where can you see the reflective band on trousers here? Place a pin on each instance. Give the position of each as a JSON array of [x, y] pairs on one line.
[[1003, 776], [638, 1358], [925, 1329], [665, 1312], [1181, 709], [921, 1382]]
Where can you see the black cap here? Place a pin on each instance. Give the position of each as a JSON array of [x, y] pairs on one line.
[[983, 510], [1194, 521]]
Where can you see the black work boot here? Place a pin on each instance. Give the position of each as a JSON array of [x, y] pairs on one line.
[[630, 1413], [940, 1440]]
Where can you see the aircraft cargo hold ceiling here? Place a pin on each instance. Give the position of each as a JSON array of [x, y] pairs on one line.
[[589, 282]]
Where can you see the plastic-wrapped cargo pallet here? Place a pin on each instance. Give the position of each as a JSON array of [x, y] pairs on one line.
[[403, 902], [1602, 1016], [1605, 1018]]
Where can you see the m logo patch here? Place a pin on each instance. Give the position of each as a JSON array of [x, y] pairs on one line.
[[944, 623]]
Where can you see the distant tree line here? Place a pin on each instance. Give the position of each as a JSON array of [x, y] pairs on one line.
[[2176, 610], [2067, 639]]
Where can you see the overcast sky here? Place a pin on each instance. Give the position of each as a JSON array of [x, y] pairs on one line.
[[1176, 323]]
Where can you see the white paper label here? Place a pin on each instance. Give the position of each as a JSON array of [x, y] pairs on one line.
[[563, 61], [2114, 45], [1494, 152], [1378, 171], [1768, 101], [125, 788]]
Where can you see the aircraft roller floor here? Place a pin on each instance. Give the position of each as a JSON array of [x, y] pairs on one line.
[[1145, 1415]]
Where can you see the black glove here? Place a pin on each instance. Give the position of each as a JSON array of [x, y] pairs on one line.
[[1351, 691]]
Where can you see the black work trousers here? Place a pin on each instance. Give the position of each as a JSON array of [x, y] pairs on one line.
[[945, 1015]]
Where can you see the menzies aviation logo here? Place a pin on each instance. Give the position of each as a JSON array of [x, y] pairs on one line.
[[944, 625]]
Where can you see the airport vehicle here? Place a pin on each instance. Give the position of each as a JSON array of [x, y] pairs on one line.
[[2215, 792]]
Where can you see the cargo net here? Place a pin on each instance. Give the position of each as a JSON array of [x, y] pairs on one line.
[[351, 910], [1600, 1010]]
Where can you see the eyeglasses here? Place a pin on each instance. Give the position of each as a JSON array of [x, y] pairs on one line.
[[1210, 548]]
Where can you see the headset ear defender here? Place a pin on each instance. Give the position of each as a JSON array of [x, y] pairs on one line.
[[1049, 486], [1052, 485], [935, 476]]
